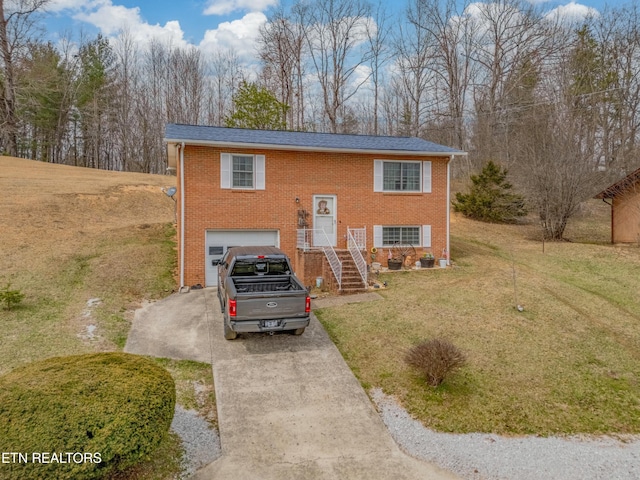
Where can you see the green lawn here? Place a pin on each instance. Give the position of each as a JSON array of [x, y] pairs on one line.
[[569, 363]]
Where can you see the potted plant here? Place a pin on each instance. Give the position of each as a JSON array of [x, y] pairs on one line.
[[427, 260], [394, 263]]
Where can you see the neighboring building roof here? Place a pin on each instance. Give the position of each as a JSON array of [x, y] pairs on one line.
[[621, 186], [204, 135]]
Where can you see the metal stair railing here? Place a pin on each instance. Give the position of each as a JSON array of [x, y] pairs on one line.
[[355, 249], [332, 256], [312, 238], [304, 239]]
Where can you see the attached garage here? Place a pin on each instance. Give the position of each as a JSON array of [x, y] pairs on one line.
[[218, 241]]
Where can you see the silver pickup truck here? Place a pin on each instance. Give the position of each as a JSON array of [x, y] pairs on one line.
[[258, 292]]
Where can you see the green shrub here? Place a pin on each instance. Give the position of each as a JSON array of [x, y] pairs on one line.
[[435, 359], [490, 198], [9, 297], [113, 408]]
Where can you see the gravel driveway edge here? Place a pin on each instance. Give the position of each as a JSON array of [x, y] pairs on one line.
[[488, 456]]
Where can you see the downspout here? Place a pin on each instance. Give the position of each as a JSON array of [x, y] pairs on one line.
[[612, 223], [181, 215], [449, 207]]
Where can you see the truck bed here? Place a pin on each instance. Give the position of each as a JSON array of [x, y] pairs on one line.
[[265, 284], [259, 293]]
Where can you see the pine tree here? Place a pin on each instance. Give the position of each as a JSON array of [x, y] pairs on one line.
[[256, 107], [490, 198]]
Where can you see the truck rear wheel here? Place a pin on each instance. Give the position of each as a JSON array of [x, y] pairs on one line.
[[298, 331], [228, 333]]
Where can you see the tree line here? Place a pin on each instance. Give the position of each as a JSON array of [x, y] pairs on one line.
[[555, 101]]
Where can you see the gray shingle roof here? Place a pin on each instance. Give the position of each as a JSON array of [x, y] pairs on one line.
[[204, 135]]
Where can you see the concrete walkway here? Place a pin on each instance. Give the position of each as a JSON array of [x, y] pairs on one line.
[[288, 407]]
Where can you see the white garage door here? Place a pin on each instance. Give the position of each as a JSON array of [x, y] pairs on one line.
[[218, 241]]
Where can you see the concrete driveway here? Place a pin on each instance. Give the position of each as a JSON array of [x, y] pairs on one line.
[[288, 406]]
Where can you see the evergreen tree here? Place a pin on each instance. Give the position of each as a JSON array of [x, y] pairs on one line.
[[257, 108], [490, 198]]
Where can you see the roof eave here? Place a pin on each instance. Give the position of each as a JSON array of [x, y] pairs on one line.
[[621, 187], [271, 146]]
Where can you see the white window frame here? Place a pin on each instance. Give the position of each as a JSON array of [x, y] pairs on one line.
[[226, 171], [425, 176], [378, 235]]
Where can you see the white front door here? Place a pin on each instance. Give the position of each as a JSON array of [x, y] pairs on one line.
[[324, 218]]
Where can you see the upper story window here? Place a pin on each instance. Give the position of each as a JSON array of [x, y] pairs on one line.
[[244, 172], [401, 176]]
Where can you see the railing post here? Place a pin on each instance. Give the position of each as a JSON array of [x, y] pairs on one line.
[[356, 254], [305, 241]]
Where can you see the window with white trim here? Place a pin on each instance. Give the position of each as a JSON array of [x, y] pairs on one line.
[[402, 235], [401, 176], [242, 171], [387, 236]]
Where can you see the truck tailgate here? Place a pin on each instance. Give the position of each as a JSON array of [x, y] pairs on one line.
[[268, 305]]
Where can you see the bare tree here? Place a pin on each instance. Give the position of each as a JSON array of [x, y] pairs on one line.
[[609, 85], [17, 18], [282, 47], [550, 137], [511, 38], [454, 73], [378, 32], [226, 75], [185, 82], [334, 32], [150, 107], [126, 85], [415, 50]]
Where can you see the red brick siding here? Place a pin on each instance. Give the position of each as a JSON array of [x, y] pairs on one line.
[[289, 175]]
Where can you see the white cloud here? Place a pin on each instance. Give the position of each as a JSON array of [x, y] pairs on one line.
[[238, 35], [223, 7], [111, 19], [75, 5], [361, 78], [572, 12]]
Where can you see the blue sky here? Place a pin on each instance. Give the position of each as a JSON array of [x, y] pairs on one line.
[[208, 24]]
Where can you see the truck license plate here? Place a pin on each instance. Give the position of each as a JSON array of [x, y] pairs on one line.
[[270, 323]]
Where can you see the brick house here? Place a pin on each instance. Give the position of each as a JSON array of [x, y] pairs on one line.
[[625, 208], [321, 198]]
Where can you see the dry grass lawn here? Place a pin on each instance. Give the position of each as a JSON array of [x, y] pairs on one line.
[[87, 247], [73, 234], [569, 363]]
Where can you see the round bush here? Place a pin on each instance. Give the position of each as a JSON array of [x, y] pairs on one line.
[[435, 359], [83, 416]]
